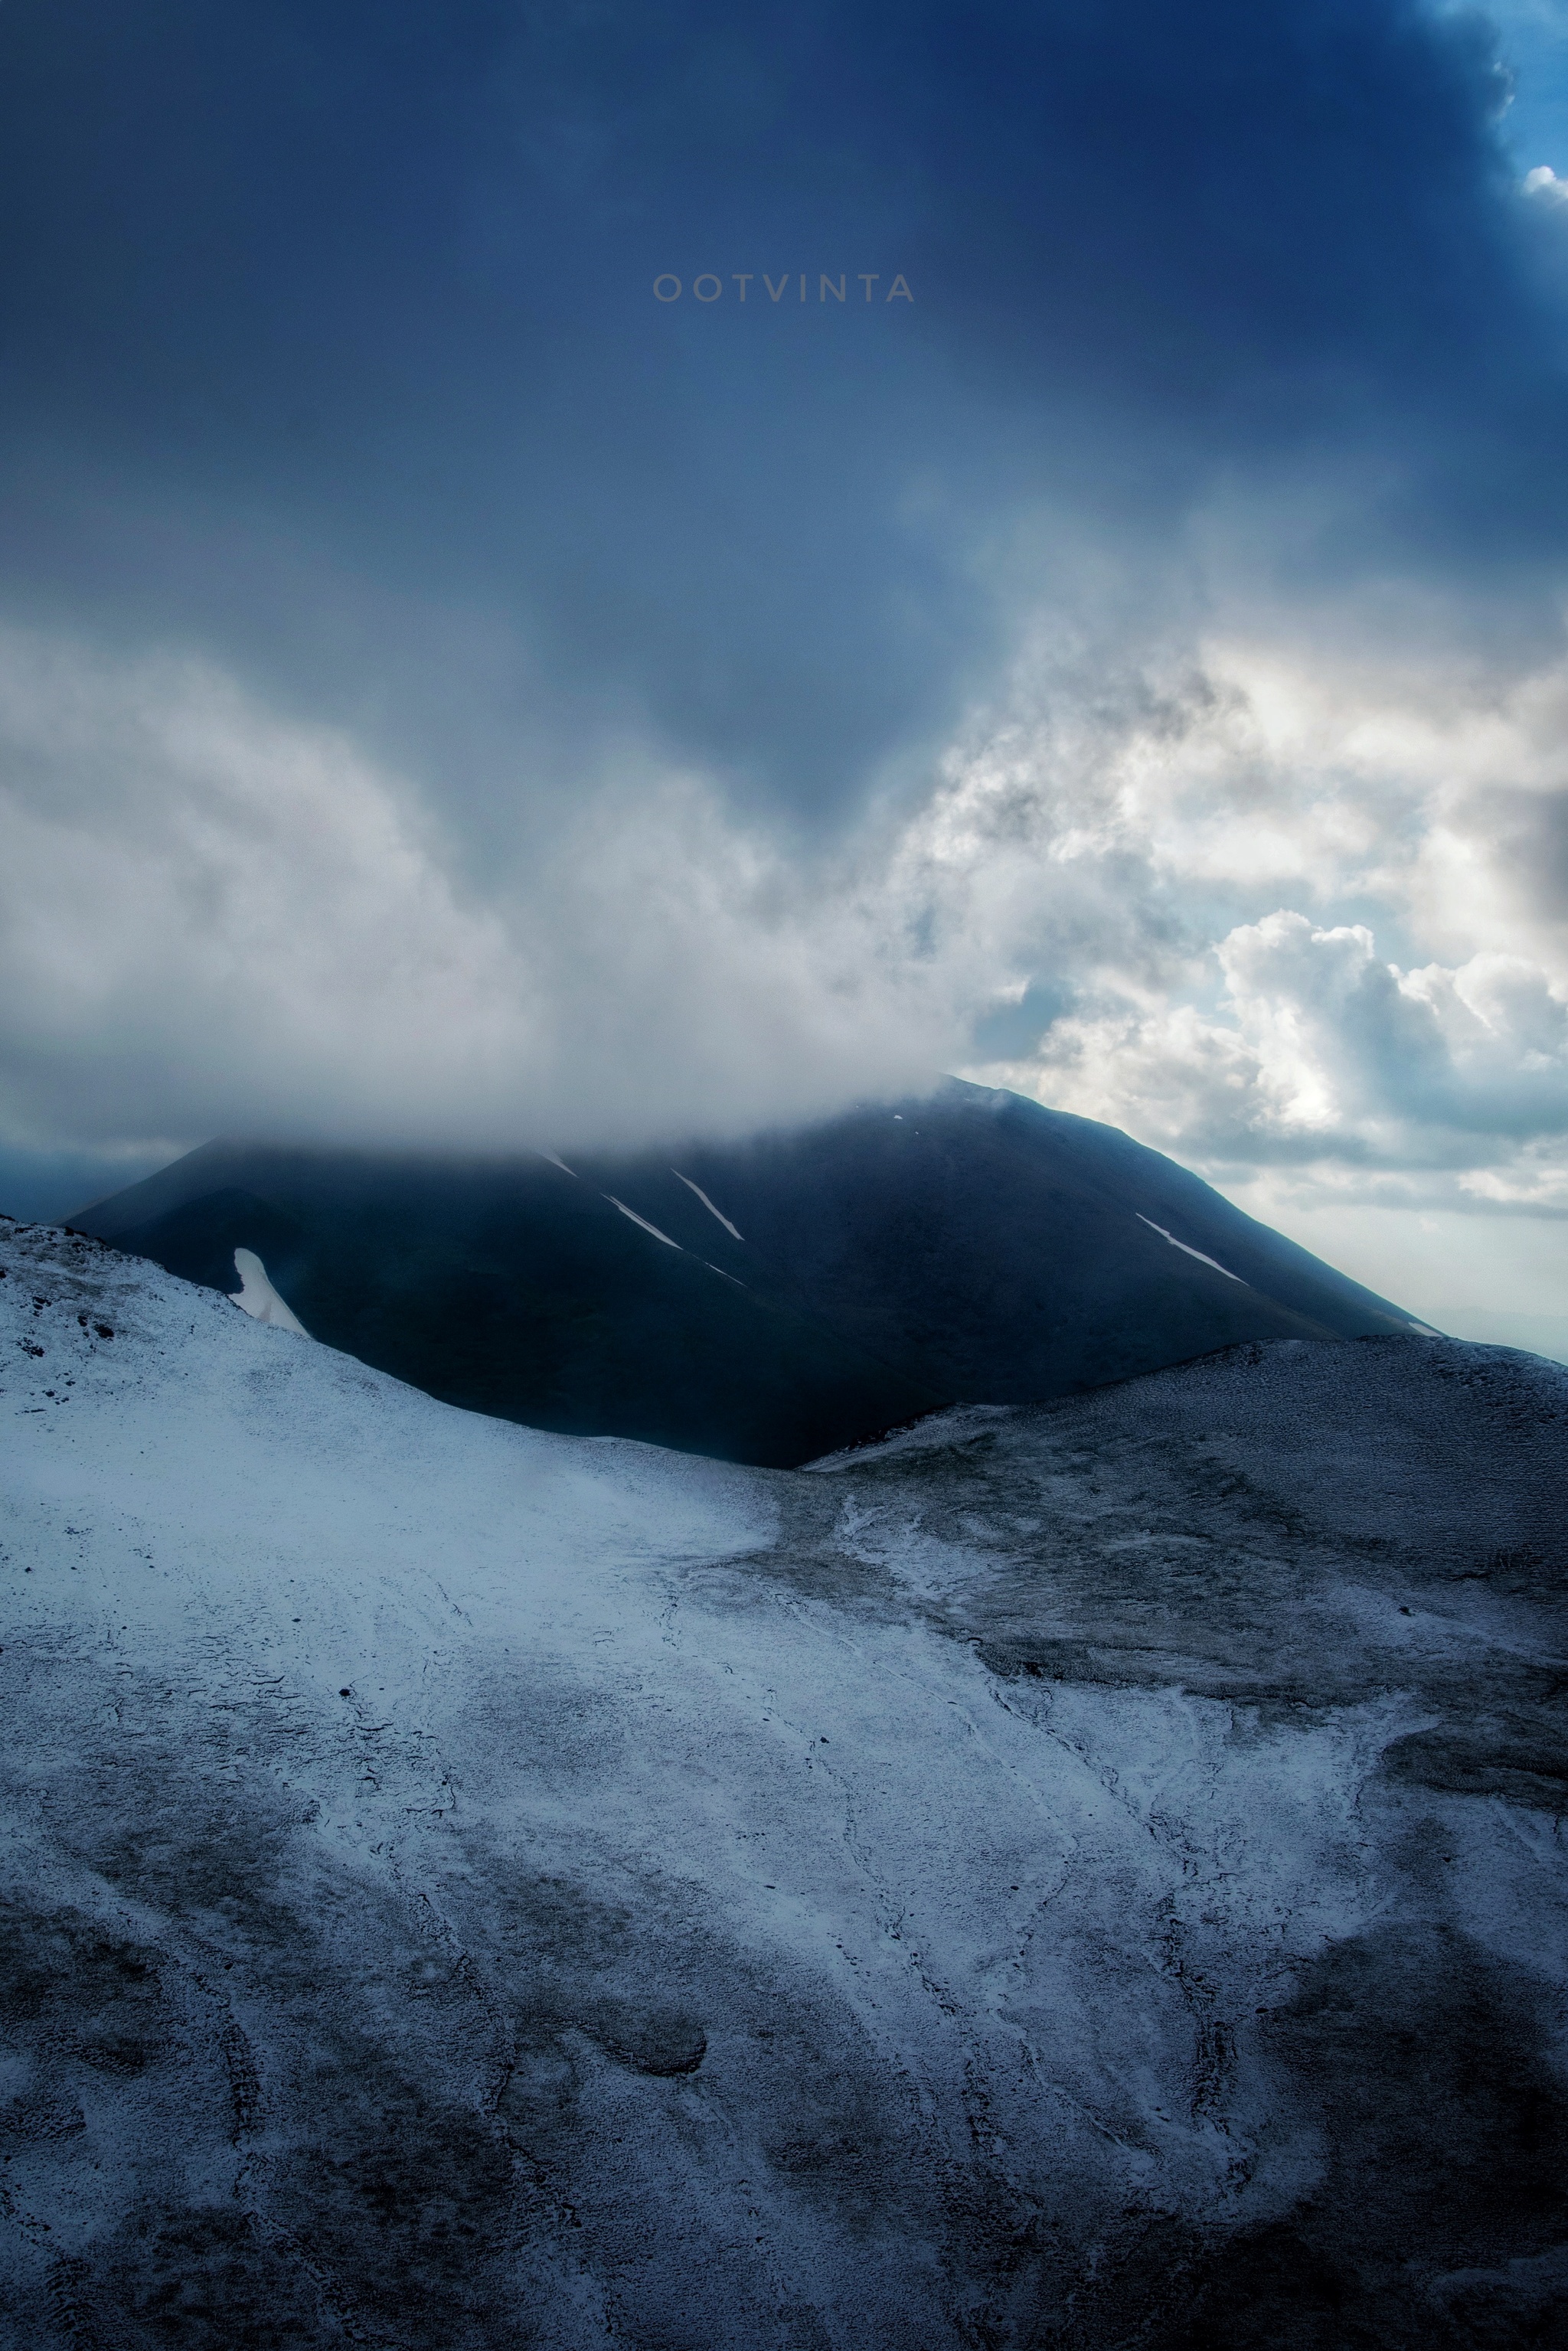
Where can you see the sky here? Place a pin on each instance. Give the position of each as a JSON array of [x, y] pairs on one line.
[[582, 573]]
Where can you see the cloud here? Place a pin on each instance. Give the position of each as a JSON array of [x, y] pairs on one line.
[[449, 694], [333, 353], [1320, 1049], [213, 918], [1436, 801]]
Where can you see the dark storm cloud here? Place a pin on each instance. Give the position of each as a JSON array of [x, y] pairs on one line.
[[330, 343]]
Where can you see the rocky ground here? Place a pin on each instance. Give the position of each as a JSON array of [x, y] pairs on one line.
[[1088, 1876]]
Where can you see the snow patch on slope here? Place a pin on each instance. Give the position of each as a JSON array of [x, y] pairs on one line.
[[707, 1203], [636, 1219], [258, 1297], [1186, 1251]]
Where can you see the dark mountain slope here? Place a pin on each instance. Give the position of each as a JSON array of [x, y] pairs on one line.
[[836, 1279]]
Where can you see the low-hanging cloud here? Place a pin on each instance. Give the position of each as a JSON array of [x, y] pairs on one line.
[[213, 918], [216, 918]]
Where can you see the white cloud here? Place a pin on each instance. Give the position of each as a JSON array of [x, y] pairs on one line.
[[1305, 912], [1320, 1050], [215, 919], [1290, 790]]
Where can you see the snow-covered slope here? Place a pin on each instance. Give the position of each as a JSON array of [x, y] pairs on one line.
[[1082, 1876]]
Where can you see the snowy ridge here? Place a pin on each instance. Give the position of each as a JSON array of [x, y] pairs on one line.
[[471, 1887]]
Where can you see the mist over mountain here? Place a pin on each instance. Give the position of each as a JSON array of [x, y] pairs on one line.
[[767, 1301]]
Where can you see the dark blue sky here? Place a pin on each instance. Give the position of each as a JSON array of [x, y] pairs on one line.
[[329, 341]]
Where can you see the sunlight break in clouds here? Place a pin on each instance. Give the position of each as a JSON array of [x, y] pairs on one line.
[[1248, 810]]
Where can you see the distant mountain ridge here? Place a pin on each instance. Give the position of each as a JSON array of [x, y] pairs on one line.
[[769, 1301]]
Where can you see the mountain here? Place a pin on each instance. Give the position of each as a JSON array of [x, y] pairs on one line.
[[764, 1301], [1080, 1876]]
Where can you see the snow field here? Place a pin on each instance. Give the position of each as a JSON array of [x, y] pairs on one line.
[[774, 1969]]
